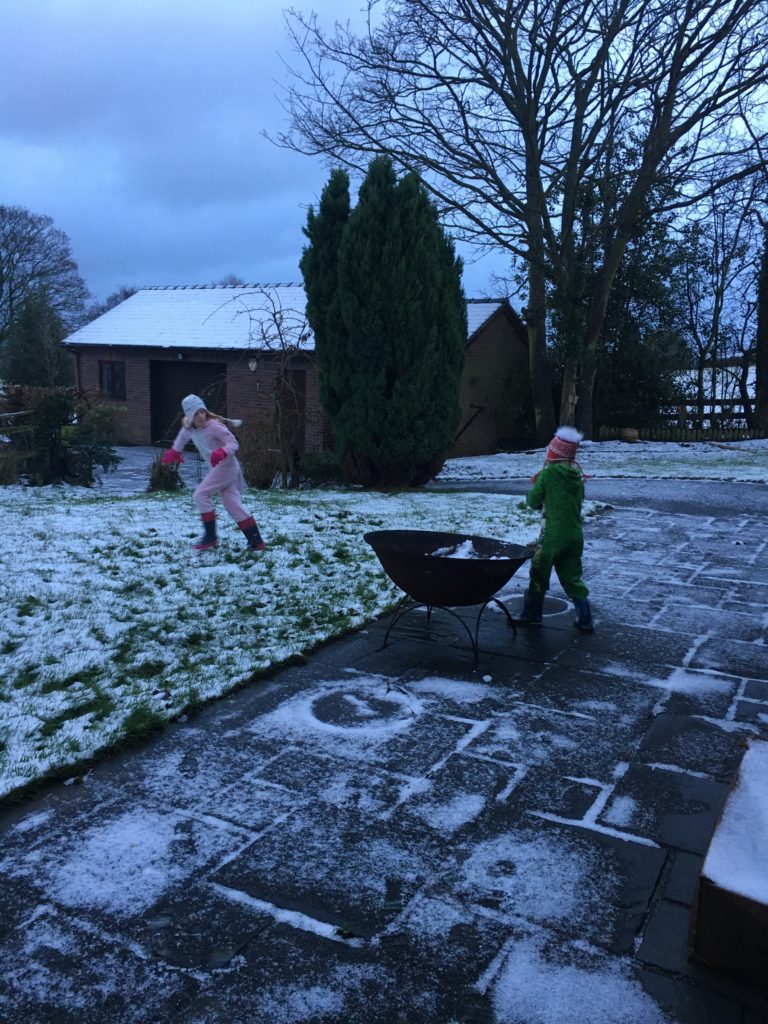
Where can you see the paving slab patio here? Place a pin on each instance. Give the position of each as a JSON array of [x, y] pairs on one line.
[[403, 834]]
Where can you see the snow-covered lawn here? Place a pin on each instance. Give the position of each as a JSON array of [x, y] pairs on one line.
[[111, 623], [652, 460]]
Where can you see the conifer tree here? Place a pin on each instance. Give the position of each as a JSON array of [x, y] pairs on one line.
[[319, 268], [32, 353], [404, 322]]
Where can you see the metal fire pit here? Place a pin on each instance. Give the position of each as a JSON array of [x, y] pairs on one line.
[[442, 581]]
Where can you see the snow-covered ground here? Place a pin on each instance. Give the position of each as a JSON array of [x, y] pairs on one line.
[[651, 460], [526, 836], [111, 622]]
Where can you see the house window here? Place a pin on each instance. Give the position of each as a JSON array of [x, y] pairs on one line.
[[112, 380]]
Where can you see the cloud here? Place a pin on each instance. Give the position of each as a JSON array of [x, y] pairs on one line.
[[137, 125]]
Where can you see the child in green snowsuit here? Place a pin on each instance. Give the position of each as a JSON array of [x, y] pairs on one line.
[[559, 490]]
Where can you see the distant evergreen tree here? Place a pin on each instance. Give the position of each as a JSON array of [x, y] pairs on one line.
[[395, 375], [319, 268], [32, 353]]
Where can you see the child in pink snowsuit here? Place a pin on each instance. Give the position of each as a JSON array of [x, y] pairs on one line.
[[217, 446]]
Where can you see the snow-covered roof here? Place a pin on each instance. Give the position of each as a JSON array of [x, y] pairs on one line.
[[199, 317], [479, 311], [219, 316]]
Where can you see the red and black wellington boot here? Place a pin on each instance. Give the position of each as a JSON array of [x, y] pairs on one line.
[[252, 535], [209, 539]]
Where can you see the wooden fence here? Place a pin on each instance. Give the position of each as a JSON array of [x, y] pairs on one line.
[[722, 420], [662, 433]]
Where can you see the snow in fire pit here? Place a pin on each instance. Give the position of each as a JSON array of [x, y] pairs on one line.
[[466, 549]]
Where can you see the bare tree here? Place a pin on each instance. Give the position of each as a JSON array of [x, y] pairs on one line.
[[125, 291], [508, 108], [719, 276], [230, 281], [35, 256]]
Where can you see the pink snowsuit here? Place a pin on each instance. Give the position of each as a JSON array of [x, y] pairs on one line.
[[227, 478]]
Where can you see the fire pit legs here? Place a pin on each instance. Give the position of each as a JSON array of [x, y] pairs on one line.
[[422, 564], [510, 620], [406, 605]]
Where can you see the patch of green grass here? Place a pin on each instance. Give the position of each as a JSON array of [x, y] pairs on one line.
[[135, 587], [87, 676], [99, 705], [253, 608], [196, 638], [26, 677], [9, 646], [142, 720], [124, 652], [148, 669], [28, 606], [134, 547], [314, 557]]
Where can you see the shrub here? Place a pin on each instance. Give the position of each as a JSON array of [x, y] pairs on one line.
[[162, 477], [320, 469], [259, 453], [60, 447]]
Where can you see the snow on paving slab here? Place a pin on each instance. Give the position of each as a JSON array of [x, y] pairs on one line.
[[112, 624], [533, 988], [650, 460]]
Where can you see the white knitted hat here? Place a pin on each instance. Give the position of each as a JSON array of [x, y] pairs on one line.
[[190, 405]]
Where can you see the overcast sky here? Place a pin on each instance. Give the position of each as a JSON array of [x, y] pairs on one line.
[[136, 125]]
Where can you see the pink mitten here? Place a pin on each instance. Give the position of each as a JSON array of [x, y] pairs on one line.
[[172, 456], [218, 456]]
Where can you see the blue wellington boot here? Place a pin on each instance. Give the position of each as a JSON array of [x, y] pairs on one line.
[[583, 615], [533, 605]]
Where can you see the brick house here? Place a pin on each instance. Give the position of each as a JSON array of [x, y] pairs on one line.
[[233, 344]]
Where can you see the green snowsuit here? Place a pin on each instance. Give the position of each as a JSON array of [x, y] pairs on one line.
[[559, 490]]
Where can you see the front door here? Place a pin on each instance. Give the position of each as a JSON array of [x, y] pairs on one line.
[[169, 382]]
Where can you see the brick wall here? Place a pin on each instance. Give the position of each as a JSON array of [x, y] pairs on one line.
[[133, 413], [249, 393], [496, 356]]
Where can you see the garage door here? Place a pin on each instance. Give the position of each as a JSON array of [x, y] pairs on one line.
[[170, 382]]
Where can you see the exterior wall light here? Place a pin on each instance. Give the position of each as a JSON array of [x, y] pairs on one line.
[[252, 364]]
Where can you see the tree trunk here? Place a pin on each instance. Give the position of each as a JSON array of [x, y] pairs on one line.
[[700, 392], [538, 362], [744, 392], [569, 395], [596, 318], [589, 353]]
